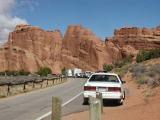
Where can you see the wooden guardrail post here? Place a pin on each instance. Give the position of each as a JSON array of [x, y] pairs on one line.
[[56, 108], [24, 86], [8, 93], [95, 109], [99, 96]]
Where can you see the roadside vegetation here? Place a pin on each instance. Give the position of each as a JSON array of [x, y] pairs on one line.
[[147, 55], [14, 73], [146, 74], [120, 67], [107, 67], [146, 70], [63, 71], [44, 71]]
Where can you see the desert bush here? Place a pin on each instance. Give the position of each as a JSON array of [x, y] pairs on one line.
[[2, 73], [142, 80], [149, 93], [123, 62], [146, 74], [22, 72], [14, 73], [11, 73], [107, 67], [155, 68], [123, 70], [150, 73], [146, 55], [63, 71], [137, 70], [44, 71]]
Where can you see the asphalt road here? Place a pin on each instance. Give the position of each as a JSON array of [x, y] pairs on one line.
[[32, 105]]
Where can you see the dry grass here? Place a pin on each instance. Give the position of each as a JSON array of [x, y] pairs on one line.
[[147, 72]]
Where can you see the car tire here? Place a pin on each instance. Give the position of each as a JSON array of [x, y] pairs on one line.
[[85, 101], [124, 95], [120, 102]]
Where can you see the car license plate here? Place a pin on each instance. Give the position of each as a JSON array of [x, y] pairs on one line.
[[102, 89]]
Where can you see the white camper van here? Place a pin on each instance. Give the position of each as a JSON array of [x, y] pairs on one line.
[[69, 73], [75, 72]]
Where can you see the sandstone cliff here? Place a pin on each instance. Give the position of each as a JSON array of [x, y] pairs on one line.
[[131, 40], [30, 48], [81, 48]]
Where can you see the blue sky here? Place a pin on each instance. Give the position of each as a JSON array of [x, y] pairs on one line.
[[102, 16]]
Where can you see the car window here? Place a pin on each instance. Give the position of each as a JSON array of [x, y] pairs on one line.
[[103, 78]]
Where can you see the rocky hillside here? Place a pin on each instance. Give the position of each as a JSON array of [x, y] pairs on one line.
[[30, 48], [131, 40]]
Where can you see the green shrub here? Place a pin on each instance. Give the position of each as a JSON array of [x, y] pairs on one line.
[[11, 73], [123, 62], [123, 70], [146, 55], [22, 72], [107, 67], [63, 71], [44, 71], [14, 73]]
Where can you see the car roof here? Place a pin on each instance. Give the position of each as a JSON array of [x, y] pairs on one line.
[[102, 73]]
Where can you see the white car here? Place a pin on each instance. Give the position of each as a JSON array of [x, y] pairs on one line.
[[109, 84]]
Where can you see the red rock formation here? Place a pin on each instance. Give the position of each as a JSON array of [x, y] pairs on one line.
[[81, 48], [131, 40], [30, 48]]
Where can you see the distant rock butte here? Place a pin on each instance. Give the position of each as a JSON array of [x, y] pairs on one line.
[[30, 48], [82, 49], [131, 40]]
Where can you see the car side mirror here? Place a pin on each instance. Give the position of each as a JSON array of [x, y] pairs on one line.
[[123, 82]]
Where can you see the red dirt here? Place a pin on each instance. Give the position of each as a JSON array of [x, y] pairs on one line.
[[137, 106]]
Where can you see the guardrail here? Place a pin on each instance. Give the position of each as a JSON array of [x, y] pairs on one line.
[[24, 84]]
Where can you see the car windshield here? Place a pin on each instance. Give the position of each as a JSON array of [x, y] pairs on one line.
[[104, 78]]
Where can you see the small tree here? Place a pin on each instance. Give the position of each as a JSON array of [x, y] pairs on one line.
[[107, 67], [63, 71], [44, 71]]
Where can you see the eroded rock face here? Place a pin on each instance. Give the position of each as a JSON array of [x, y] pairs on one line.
[[131, 40], [30, 48], [81, 48]]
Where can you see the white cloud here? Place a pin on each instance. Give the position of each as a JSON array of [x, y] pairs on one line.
[[7, 21], [6, 6]]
